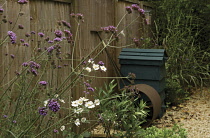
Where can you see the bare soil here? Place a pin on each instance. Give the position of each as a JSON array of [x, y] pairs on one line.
[[193, 115]]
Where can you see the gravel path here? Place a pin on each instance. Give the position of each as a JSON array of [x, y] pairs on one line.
[[194, 115]]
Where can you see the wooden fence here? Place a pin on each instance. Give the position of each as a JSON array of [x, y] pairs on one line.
[[44, 15]]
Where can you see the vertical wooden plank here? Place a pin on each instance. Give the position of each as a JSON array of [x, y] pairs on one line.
[[3, 33]]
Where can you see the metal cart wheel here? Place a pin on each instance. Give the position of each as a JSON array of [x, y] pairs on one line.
[[154, 100]]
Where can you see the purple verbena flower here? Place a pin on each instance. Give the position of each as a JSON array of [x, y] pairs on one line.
[[39, 49], [90, 89], [65, 23], [50, 49], [34, 64], [58, 33], [128, 9], [14, 121], [43, 111], [112, 29], [59, 66], [12, 56], [106, 29], [12, 36], [54, 105], [72, 15], [50, 41], [87, 84], [20, 26], [79, 16], [26, 44], [57, 39], [17, 73], [84, 62], [22, 40], [1, 10], [27, 34], [5, 116], [55, 131], [43, 83], [33, 71], [141, 11], [33, 32], [109, 29], [22, 1], [86, 92], [25, 64], [41, 34], [135, 6], [68, 33], [101, 63]]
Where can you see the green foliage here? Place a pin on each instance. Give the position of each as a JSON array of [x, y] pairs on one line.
[[154, 132], [118, 112], [175, 94], [181, 31]]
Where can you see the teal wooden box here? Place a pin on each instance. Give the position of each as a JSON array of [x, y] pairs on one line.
[[147, 64], [149, 67]]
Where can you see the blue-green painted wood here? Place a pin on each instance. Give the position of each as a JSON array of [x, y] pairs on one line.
[[142, 62], [142, 54], [148, 58], [144, 50], [149, 68], [157, 85], [144, 72]]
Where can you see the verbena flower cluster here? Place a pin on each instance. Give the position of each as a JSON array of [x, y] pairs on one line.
[[53, 105], [22, 1], [12, 36], [43, 111], [50, 104], [58, 33], [65, 23], [108, 29], [88, 88], [135, 7], [44, 83], [33, 66]]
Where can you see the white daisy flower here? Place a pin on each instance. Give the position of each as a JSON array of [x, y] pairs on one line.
[[103, 68], [87, 69], [97, 102], [80, 101], [74, 103], [89, 104], [45, 102], [83, 99], [83, 119], [77, 122], [95, 66], [62, 128]]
